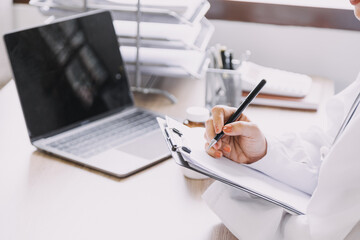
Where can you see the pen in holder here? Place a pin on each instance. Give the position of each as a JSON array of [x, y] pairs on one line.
[[223, 87]]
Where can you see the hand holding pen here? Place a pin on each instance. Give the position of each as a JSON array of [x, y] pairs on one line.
[[233, 135]]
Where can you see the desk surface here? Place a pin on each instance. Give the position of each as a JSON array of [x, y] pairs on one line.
[[44, 197]]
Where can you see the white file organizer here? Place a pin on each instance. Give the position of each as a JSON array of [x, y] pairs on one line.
[[150, 14]]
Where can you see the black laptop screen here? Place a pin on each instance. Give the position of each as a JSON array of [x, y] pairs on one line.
[[68, 72]]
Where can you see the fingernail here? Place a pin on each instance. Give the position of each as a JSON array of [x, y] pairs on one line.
[[227, 128], [217, 129], [218, 154], [216, 146], [227, 149]]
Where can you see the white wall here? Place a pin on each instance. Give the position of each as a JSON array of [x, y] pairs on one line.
[[27, 16], [6, 24], [329, 53], [334, 54]]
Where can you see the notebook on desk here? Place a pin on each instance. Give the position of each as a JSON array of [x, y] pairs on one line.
[[76, 99], [284, 89]]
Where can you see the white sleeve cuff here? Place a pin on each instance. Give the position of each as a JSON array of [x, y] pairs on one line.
[[279, 165]]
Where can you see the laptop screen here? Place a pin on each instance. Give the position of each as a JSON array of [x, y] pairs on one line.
[[67, 72]]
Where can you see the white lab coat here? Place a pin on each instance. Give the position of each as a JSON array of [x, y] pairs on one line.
[[307, 161]]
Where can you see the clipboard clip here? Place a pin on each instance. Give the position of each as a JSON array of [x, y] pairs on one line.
[[177, 132], [174, 146]]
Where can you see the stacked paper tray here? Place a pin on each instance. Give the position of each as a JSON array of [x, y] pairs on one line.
[[173, 34], [166, 62], [164, 35], [186, 12]]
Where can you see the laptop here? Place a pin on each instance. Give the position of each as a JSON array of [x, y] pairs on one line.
[[75, 96]]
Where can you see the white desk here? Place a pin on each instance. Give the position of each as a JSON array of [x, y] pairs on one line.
[[43, 197]]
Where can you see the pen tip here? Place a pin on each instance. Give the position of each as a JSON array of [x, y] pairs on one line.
[[212, 143]]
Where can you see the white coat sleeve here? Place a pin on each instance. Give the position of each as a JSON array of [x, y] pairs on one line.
[[294, 158]]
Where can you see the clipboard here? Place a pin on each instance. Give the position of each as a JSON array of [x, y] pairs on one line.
[[187, 149]]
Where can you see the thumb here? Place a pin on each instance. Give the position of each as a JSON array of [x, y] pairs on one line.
[[241, 128]]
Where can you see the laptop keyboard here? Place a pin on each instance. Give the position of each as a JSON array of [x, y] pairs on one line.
[[100, 138]]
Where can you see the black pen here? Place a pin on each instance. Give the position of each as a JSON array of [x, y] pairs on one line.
[[230, 61], [238, 112]]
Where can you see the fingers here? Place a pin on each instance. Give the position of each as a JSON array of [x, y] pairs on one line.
[[215, 125], [210, 133], [218, 153], [226, 148], [213, 152], [218, 118], [243, 118], [241, 128], [220, 114], [209, 130]]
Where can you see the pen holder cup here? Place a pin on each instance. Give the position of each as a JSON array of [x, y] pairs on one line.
[[223, 87]]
